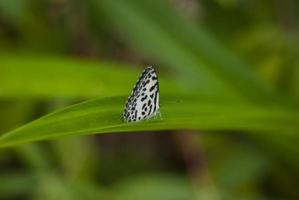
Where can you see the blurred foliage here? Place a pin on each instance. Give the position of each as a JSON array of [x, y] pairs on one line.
[[228, 73]]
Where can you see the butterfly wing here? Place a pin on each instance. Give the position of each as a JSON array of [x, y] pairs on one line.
[[143, 103]]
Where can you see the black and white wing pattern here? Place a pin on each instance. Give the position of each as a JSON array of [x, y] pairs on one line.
[[143, 103]]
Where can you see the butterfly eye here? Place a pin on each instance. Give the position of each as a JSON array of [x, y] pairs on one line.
[[143, 103]]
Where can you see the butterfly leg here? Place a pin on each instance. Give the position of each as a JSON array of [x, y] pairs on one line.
[[158, 115]]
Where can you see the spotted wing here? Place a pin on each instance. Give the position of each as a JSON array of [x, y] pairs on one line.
[[143, 103]]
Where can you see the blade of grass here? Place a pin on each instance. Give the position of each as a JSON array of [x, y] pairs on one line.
[[178, 112], [16, 185], [154, 186], [54, 76], [155, 28], [144, 34]]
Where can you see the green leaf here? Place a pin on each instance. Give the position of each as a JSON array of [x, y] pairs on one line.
[[199, 60], [154, 186], [178, 112], [55, 76], [18, 184]]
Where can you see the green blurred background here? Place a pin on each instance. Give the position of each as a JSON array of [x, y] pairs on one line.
[[232, 66]]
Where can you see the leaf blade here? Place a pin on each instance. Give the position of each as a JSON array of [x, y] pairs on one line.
[[179, 112]]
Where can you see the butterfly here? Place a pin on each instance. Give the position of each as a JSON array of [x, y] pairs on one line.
[[143, 103]]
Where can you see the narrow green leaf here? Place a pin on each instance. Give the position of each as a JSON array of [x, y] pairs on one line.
[[156, 29], [16, 184], [154, 186], [178, 112], [54, 76]]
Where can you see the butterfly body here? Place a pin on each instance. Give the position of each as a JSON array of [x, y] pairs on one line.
[[143, 103]]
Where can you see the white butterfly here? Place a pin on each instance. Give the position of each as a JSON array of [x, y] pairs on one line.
[[143, 103]]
